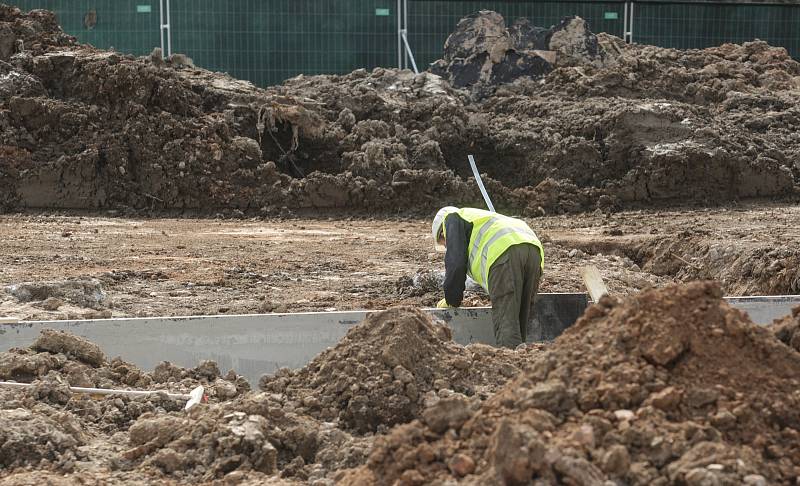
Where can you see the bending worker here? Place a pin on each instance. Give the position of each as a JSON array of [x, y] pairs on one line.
[[502, 254]]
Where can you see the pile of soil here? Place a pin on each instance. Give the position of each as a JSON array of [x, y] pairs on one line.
[[74, 361], [482, 52], [44, 425], [616, 126], [306, 425], [787, 330], [668, 386], [388, 368]]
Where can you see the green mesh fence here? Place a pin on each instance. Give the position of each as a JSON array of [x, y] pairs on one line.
[[431, 21], [704, 25], [268, 41], [129, 26]]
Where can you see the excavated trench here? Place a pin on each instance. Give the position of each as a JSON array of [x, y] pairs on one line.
[[740, 267]]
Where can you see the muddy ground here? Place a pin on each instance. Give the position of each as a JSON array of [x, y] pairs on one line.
[[151, 267]]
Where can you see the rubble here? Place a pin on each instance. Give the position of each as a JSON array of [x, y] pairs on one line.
[[670, 385]]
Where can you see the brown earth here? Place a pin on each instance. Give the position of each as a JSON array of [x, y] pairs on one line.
[[365, 390], [287, 430], [84, 128], [788, 329], [670, 386], [50, 429], [163, 267]]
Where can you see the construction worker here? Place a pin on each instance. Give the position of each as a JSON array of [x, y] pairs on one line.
[[502, 254]]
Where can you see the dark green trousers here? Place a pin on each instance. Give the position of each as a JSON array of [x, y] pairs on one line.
[[513, 283]]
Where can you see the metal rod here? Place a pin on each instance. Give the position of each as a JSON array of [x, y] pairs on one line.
[[480, 183], [409, 54]]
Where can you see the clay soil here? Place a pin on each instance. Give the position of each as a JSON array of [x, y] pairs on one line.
[[668, 386], [148, 267]]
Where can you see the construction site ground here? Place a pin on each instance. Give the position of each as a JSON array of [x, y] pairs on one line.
[[161, 267], [672, 169]]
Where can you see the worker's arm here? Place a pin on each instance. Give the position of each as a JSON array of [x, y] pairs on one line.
[[456, 258]]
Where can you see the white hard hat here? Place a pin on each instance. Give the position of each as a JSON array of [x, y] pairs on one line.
[[436, 227]]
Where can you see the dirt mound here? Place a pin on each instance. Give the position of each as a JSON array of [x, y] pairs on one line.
[[611, 126], [262, 433], [33, 33], [73, 346], [29, 439], [739, 78], [386, 369], [787, 330], [763, 268], [483, 52], [61, 359], [84, 293], [668, 386]]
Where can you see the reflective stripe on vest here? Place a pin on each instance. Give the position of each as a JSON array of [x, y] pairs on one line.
[[492, 234]]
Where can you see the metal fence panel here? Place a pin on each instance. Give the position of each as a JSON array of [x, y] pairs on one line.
[[685, 26], [430, 22], [129, 26], [267, 42]]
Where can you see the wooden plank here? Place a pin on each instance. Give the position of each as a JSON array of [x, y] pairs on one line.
[[594, 282]]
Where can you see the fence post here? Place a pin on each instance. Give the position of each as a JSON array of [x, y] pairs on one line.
[[165, 27], [399, 35], [405, 32], [627, 23]]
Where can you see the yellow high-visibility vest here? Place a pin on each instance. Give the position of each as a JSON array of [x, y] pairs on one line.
[[492, 234]]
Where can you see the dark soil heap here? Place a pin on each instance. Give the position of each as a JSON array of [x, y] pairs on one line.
[[386, 369], [616, 126], [482, 52], [671, 386], [787, 330]]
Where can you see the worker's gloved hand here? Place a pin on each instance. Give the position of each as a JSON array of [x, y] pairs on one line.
[[442, 304]]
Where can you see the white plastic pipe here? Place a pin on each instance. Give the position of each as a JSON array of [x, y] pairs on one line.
[[195, 395], [480, 183]]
